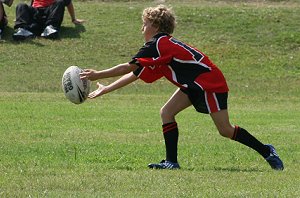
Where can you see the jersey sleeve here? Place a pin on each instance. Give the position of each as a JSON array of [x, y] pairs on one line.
[[150, 54], [149, 62], [148, 74], [148, 70]]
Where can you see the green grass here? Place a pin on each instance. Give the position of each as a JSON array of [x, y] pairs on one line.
[[52, 148]]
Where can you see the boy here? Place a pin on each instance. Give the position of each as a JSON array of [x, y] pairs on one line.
[[200, 83], [42, 18]]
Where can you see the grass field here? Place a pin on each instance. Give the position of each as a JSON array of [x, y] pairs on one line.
[[52, 148]]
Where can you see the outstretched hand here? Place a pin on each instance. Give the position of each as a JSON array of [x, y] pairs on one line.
[[98, 92], [89, 74]]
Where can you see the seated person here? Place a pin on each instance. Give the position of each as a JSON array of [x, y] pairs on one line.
[[3, 17], [42, 18]]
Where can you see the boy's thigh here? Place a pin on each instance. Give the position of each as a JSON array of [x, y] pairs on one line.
[[177, 102], [207, 102]]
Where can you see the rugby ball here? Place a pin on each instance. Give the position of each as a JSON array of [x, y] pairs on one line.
[[75, 89]]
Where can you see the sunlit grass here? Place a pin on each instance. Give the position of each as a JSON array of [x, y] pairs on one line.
[[53, 148]]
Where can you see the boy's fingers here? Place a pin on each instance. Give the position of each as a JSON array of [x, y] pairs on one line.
[[82, 76], [93, 94]]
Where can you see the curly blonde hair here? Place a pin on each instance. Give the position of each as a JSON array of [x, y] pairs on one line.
[[161, 17]]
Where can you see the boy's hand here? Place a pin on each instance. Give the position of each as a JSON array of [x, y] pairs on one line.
[[98, 92], [89, 74]]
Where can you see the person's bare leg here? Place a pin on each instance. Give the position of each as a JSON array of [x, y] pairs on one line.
[[221, 120], [177, 102], [1, 11], [2, 19]]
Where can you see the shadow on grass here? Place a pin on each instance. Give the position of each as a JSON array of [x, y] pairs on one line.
[[7, 34], [236, 169], [228, 169], [71, 32]]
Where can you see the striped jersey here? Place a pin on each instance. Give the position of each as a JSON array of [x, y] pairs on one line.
[[181, 64], [42, 3]]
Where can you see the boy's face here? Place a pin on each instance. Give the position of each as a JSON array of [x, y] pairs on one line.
[[148, 30]]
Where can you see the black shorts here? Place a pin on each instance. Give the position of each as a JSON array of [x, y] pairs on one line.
[[207, 102]]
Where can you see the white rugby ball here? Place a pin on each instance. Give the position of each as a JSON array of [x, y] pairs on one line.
[[75, 89]]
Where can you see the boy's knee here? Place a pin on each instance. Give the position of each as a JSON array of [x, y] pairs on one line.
[[162, 112], [165, 113]]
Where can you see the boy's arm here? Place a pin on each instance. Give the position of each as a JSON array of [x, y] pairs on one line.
[[118, 70], [121, 82], [71, 11]]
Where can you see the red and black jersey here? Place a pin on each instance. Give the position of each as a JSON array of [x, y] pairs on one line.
[[42, 3], [183, 65]]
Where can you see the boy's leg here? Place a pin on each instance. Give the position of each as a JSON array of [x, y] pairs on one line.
[[24, 16], [24, 21], [56, 14], [178, 102], [3, 21], [170, 132], [1, 11], [221, 120]]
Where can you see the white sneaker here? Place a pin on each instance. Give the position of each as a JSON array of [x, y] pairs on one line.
[[164, 164], [50, 32], [22, 34]]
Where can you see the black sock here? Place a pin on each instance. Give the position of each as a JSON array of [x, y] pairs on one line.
[[244, 137], [171, 134]]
